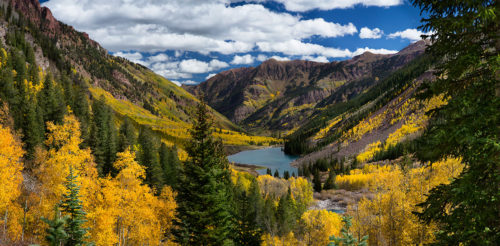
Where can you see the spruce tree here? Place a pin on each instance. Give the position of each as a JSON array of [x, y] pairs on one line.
[[317, 181], [286, 175], [330, 182], [347, 239], [148, 156], [170, 164], [55, 232], [103, 137], [126, 135], [465, 34], [71, 205], [276, 173], [204, 201], [247, 206], [51, 99], [81, 110], [286, 214], [269, 172]]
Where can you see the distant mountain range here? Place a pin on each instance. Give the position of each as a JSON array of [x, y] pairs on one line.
[[282, 95]]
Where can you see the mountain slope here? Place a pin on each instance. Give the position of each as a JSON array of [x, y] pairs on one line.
[[131, 90], [281, 95]]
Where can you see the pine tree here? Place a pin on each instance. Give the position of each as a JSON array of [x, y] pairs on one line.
[[71, 205], [269, 172], [103, 137], [51, 99], [347, 238], [81, 110], [56, 234], [276, 173], [330, 182], [126, 135], [465, 34], [247, 209], [204, 200], [317, 181], [286, 175], [286, 214], [149, 158], [170, 164]]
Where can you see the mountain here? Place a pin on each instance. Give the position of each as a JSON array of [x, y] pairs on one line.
[[131, 90], [281, 95]]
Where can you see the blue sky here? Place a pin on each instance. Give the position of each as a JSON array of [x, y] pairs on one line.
[[187, 41]]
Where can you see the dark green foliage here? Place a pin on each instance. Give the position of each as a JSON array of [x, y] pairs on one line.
[[169, 162], [126, 135], [71, 205], [330, 182], [286, 214], [466, 33], [286, 175], [269, 172], [247, 207], [204, 213], [148, 156], [56, 234], [81, 110], [268, 220], [347, 238], [103, 137], [51, 100], [317, 181], [276, 173]]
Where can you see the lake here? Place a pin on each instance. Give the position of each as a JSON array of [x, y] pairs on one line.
[[273, 158]]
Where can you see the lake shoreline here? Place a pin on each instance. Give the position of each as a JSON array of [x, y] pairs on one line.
[[264, 157]]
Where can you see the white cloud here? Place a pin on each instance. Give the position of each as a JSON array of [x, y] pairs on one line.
[[279, 58], [306, 5], [360, 51], [158, 58], [315, 59], [411, 34], [366, 32], [189, 82], [131, 56], [210, 76], [245, 59], [294, 47], [176, 82], [216, 64], [189, 25], [261, 57]]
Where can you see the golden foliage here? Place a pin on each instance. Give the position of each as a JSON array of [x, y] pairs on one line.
[[10, 182], [369, 152], [319, 225], [388, 218]]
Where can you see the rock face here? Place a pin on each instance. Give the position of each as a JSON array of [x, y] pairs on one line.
[[281, 94]]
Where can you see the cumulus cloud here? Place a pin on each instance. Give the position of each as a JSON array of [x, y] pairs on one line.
[[279, 58], [188, 25], [295, 47], [261, 57], [210, 76], [366, 32], [306, 5], [315, 59], [245, 59], [410, 34], [360, 51]]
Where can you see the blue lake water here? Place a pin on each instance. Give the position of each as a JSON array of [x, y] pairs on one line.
[[273, 158]]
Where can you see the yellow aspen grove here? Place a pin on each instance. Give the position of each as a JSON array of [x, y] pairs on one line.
[[319, 225], [64, 151], [10, 184]]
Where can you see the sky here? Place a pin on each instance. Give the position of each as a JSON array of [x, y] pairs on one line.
[[188, 41]]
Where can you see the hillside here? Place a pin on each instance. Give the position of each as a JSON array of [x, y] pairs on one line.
[[131, 90], [281, 95]]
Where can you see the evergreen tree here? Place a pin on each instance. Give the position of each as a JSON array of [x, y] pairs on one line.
[[148, 156], [51, 100], [466, 35], [204, 200], [276, 173], [317, 181], [103, 137], [330, 182], [126, 135], [286, 214], [269, 172], [347, 238], [286, 175], [71, 205], [56, 234], [247, 208], [170, 164], [81, 110]]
